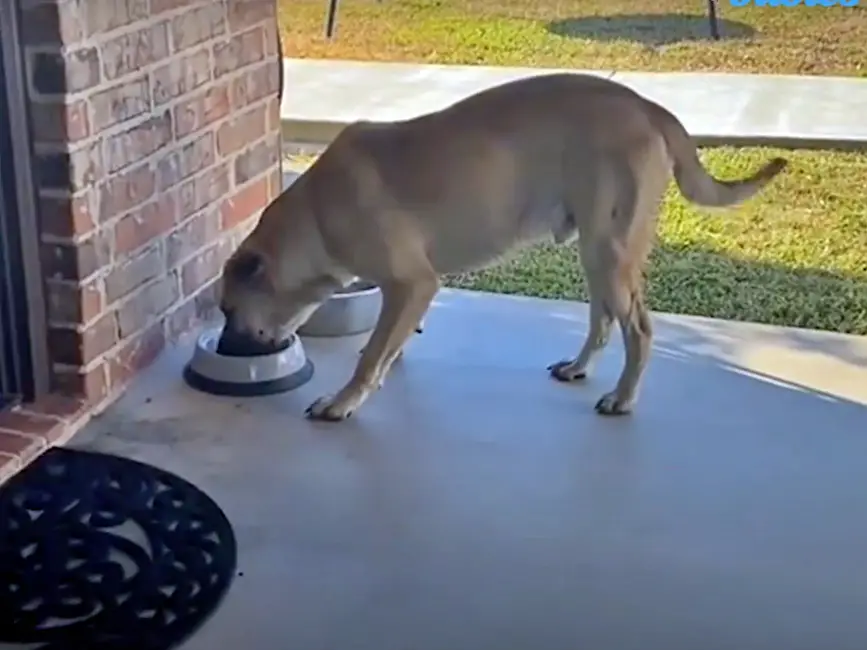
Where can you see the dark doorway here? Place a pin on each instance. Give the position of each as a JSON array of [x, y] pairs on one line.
[[23, 358]]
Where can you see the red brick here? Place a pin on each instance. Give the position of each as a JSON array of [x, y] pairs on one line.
[[123, 192], [244, 204], [21, 447], [133, 51], [187, 160], [60, 121], [204, 268], [200, 111], [197, 309], [255, 84], [9, 466], [182, 320], [245, 13], [136, 355], [237, 133], [70, 171], [273, 110], [127, 276], [191, 237], [260, 157], [120, 102], [275, 184], [272, 44], [65, 71], [147, 304], [57, 406], [139, 142], [66, 261], [73, 303], [181, 76], [26, 423], [67, 216], [161, 6], [144, 224], [198, 25], [103, 16], [55, 23], [90, 384], [78, 348], [203, 190], [239, 51]]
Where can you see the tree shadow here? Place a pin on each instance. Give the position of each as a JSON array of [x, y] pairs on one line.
[[813, 310], [648, 29]]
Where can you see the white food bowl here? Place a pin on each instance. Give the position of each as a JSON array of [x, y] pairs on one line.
[[352, 310], [246, 376]]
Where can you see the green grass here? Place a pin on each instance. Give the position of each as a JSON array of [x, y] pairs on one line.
[[794, 255], [659, 35]]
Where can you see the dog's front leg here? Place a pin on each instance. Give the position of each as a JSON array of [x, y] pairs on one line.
[[403, 306]]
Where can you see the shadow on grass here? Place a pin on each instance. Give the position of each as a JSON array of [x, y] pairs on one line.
[[648, 29]]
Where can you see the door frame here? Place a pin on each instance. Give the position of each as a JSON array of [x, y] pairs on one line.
[[33, 339]]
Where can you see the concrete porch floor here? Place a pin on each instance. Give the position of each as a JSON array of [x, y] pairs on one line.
[[474, 504]]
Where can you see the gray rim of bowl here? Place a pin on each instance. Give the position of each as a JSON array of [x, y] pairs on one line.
[[357, 288]]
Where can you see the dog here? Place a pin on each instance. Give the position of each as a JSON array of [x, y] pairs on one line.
[[568, 157]]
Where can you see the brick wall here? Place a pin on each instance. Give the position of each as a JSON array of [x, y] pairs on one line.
[[156, 133]]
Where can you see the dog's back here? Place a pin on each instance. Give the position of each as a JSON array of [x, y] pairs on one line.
[[531, 159]]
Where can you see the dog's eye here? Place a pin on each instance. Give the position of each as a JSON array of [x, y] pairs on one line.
[[247, 266]]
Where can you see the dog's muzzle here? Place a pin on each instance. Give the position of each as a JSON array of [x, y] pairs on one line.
[[236, 343]]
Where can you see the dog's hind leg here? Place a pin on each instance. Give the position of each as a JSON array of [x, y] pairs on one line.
[[626, 301], [621, 279], [404, 303], [601, 321]]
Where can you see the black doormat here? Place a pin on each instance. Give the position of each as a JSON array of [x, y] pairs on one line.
[[100, 552]]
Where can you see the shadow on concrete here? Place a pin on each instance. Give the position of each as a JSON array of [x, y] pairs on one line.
[[648, 29], [698, 281]]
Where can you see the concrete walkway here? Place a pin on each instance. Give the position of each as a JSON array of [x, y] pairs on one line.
[[475, 504], [323, 96]]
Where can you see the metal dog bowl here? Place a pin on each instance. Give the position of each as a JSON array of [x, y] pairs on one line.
[[284, 369], [352, 310]]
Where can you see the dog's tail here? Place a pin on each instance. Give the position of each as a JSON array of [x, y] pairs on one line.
[[694, 181]]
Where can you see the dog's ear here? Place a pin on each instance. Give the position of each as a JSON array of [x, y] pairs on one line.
[[247, 267]]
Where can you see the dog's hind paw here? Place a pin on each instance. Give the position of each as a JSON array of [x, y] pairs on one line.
[[611, 404], [567, 371]]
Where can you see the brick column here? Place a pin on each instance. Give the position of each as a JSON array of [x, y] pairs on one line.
[[156, 133]]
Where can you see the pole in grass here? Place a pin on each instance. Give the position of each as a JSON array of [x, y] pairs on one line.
[[331, 18], [711, 14]]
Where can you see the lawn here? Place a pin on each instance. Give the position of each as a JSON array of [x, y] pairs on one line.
[[659, 35], [795, 255]]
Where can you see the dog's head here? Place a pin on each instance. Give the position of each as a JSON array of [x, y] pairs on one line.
[[266, 299]]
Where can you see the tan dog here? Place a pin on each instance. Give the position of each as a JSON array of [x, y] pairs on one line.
[[400, 204]]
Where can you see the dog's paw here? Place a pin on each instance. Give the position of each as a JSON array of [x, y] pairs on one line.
[[611, 404], [325, 409], [567, 370]]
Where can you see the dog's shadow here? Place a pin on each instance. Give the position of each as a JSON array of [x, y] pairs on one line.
[[648, 29]]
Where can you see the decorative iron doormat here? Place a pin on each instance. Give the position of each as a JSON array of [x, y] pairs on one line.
[[100, 552]]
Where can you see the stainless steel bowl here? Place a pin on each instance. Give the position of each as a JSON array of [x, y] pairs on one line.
[[352, 310], [263, 374]]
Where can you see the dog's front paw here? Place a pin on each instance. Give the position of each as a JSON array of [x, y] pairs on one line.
[[567, 370], [327, 409], [611, 404]]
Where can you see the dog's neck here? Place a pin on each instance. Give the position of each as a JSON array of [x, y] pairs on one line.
[[287, 233]]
